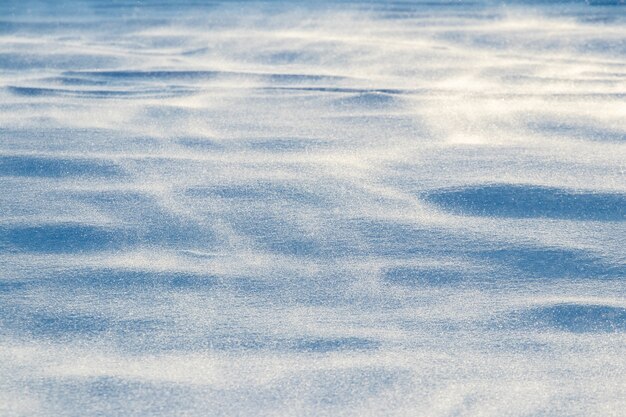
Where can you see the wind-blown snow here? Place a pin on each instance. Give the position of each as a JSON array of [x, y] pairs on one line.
[[312, 209]]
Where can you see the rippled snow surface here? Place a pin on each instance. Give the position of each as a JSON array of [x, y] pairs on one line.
[[312, 209]]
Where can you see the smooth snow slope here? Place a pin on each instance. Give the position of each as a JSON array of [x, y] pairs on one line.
[[312, 208]]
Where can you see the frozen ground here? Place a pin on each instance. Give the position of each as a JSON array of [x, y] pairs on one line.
[[312, 209]]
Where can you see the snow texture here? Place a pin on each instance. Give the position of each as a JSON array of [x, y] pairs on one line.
[[376, 208]]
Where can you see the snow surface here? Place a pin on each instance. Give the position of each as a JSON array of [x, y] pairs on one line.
[[407, 208]]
